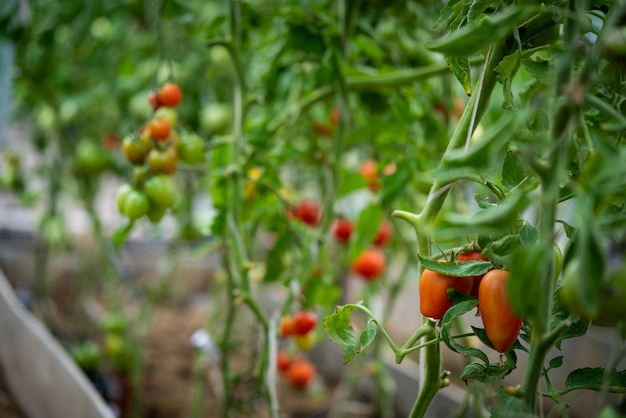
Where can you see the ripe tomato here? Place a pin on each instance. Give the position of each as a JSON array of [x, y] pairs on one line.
[[136, 204], [309, 211], [153, 100], [191, 149], [370, 264], [383, 235], [163, 161], [502, 325], [287, 326], [475, 255], [136, 148], [433, 288], [301, 373], [161, 190], [303, 322], [283, 360], [305, 342], [342, 229], [369, 171], [159, 129], [170, 95]]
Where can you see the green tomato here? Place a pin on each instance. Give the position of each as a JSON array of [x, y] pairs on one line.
[[161, 190], [215, 118], [136, 205], [191, 149], [91, 158], [558, 261], [167, 113], [121, 196], [156, 213]]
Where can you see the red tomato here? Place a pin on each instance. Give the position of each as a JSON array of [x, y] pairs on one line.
[[163, 161], [342, 229], [304, 322], [153, 100], [301, 373], [309, 211], [159, 129], [383, 235], [502, 325], [170, 95], [287, 326], [370, 264], [369, 171], [283, 360], [475, 255], [433, 288]]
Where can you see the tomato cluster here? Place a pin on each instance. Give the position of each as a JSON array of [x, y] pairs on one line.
[[502, 325], [301, 328], [299, 371], [155, 152]]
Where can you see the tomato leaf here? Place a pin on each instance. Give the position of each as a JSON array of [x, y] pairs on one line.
[[461, 69], [394, 185], [513, 171], [456, 269], [508, 406], [596, 378], [274, 262], [528, 266], [528, 235], [555, 363], [121, 234], [500, 250], [446, 330], [321, 293], [339, 329], [365, 229], [366, 338], [490, 374]]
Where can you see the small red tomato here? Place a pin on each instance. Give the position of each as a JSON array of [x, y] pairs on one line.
[[287, 326], [370, 264], [342, 229], [383, 235], [283, 360], [304, 322], [369, 171], [170, 95], [153, 100], [433, 292], [308, 211], [475, 255], [159, 129], [502, 325], [301, 373]]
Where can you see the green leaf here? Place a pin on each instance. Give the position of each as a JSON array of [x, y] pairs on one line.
[[596, 379], [366, 338], [555, 363], [339, 329], [509, 406], [447, 329], [461, 69], [528, 265], [395, 185], [513, 171], [490, 374], [322, 294], [528, 235], [500, 250], [456, 269], [274, 262], [365, 229], [570, 231], [121, 235]]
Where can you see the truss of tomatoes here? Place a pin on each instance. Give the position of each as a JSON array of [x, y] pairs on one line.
[[299, 327], [155, 152]]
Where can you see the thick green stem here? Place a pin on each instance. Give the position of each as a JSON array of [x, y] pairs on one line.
[[432, 373]]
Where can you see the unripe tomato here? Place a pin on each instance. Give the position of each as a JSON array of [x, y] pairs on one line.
[[283, 360], [191, 149], [502, 325], [342, 229], [303, 322], [305, 342], [301, 373], [215, 118], [287, 326], [136, 205], [91, 158], [475, 255], [140, 174], [121, 196], [160, 189], [170, 95], [156, 213], [136, 148], [167, 113], [370, 264], [163, 161], [159, 129], [309, 211], [433, 288], [383, 235], [369, 171]]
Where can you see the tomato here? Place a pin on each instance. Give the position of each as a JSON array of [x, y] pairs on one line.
[[558, 261], [433, 292], [140, 174], [155, 213], [308, 211], [342, 229], [502, 325], [370, 264], [160, 189], [305, 342], [369, 171], [122, 194], [163, 161], [475, 255], [170, 95], [167, 113], [136, 148], [287, 326], [383, 235], [90, 157], [283, 360], [191, 149], [215, 118], [390, 169], [303, 322], [153, 100], [159, 129], [301, 373], [136, 204]]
